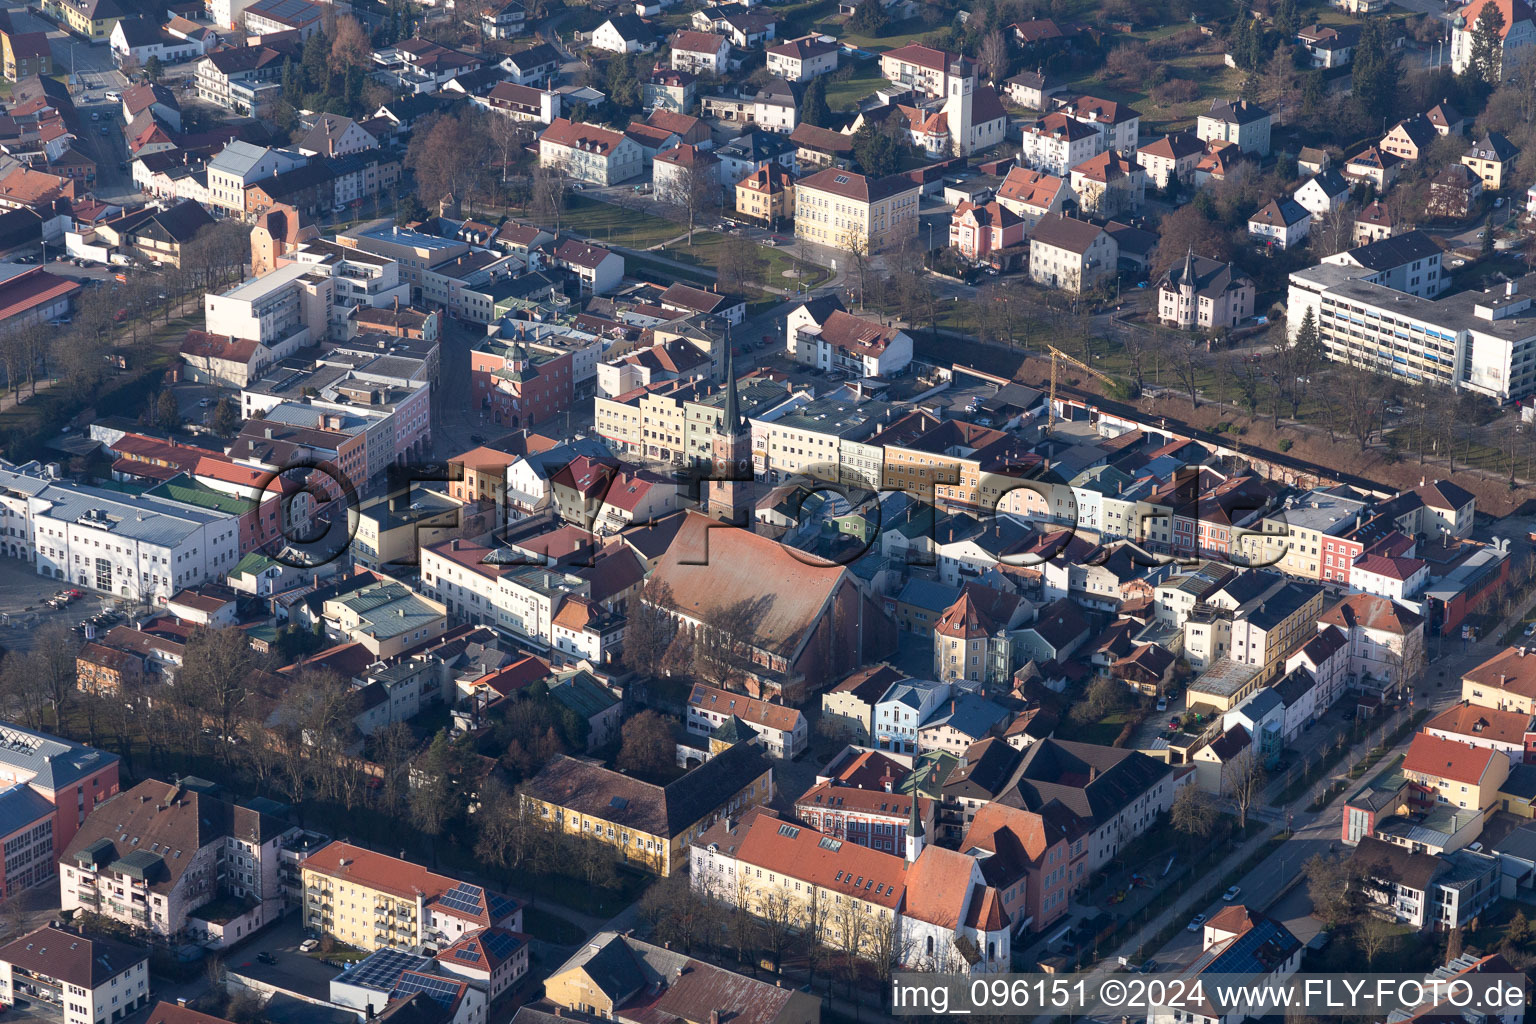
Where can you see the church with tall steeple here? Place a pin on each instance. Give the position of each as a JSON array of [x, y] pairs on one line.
[[728, 495]]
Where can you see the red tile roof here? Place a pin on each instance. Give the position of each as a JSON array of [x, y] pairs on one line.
[[31, 289], [1452, 760]]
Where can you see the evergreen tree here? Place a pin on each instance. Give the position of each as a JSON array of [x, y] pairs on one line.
[[813, 106], [1486, 56], [226, 417], [1377, 71], [1239, 44], [1256, 47], [166, 412], [316, 60], [1485, 250], [1285, 19], [290, 80], [153, 69], [1311, 92], [869, 18], [1308, 343], [878, 153]]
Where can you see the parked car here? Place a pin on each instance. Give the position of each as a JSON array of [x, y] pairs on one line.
[[1147, 968], [1232, 894], [309, 945], [1530, 629]]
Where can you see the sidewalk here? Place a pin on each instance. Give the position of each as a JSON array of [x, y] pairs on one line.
[[1185, 906]]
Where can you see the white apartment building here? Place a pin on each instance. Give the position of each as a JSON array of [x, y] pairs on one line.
[[192, 849], [285, 310], [1483, 341], [146, 548], [240, 164], [590, 153], [1409, 263], [1057, 143], [359, 278], [86, 980], [1244, 123], [498, 587]]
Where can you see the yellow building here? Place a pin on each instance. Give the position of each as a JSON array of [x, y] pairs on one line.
[[373, 901], [1492, 158], [391, 530], [1456, 773], [90, 19], [25, 55], [1506, 681], [650, 825], [848, 211], [784, 870], [767, 195]]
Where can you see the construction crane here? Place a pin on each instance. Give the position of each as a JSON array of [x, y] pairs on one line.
[[1057, 355]]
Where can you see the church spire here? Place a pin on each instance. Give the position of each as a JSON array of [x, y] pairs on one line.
[[730, 419], [1189, 267], [914, 828]]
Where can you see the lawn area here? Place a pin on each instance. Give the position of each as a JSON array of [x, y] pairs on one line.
[[1107, 729], [866, 79], [605, 222], [900, 34]]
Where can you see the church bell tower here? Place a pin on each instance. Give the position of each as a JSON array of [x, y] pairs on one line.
[[729, 491]]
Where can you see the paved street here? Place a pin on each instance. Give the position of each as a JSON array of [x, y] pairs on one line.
[[93, 77]]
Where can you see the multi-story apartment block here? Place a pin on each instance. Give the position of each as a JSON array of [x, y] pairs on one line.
[[802, 59], [846, 210], [91, 20], [1071, 254], [781, 730], [71, 778], [242, 79], [1241, 122], [84, 979], [590, 153], [416, 253], [1483, 341], [1120, 124], [194, 851], [767, 195], [650, 825], [922, 68], [1056, 143], [375, 901], [284, 310], [240, 164]]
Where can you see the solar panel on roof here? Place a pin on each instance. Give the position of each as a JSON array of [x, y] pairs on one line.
[[618, 802], [465, 898], [500, 944], [439, 990], [470, 955], [381, 969]]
